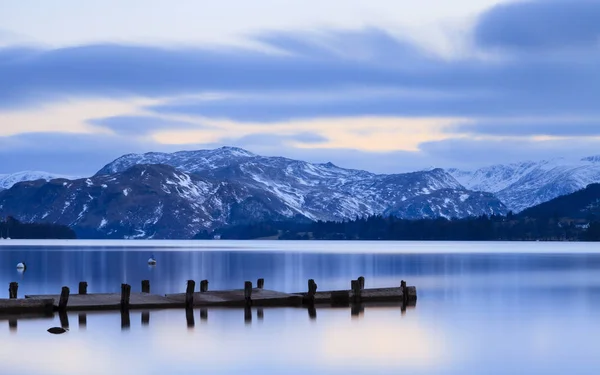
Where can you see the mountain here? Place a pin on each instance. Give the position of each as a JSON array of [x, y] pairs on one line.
[[8, 180], [582, 204], [145, 201], [177, 195], [523, 185], [326, 191]]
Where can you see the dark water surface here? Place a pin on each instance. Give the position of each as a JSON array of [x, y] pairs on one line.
[[494, 313]]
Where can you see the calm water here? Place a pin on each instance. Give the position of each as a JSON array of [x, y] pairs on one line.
[[482, 309]]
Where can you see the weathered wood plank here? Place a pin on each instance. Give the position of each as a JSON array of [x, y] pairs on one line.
[[16, 306], [260, 297], [367, 295], [111, 301]]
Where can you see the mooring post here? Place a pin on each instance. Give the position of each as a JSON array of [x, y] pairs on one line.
[[204, 286], [12, 290], [13, 324], [312, 290], [260, 283], [189, 293], [145, 286], [312, 312], [82, 317], [361, 282], [145, 318], [248, 292], [404, 291], [125, 294], [203, 314], [83, 287], [64, 298], [356, 291], [260, 313]]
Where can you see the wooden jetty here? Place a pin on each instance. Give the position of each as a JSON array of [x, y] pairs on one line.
[[249, 296]]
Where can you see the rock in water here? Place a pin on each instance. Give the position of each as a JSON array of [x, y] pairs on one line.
[[57, 330]]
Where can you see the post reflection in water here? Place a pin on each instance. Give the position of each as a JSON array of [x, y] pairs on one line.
[[260, 313], [64, 319], [12, 324], [312, 312], [189, 317], [125, 320], [247, 314], [203, 315], [357, 310], [145, 318], [82, 320]]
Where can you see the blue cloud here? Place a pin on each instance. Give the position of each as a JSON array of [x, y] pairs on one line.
[[136, 125], [559, 128], [541, 25]]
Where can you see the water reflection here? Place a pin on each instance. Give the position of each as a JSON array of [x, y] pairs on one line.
[[145, 318], [82, 320], [64, 319], [189, 317], [125, 320]]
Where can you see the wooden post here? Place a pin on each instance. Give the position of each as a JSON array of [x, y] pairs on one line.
[[125, 294], [82, 320], [312, 312], [260, 284], [145, 318], [145, 286], [204, 286], [404, 291], [248, 292], [312, 290], [64, 298], [356, 291], [12, 290], [260, 314], [203, 314], [13, 324], [83, 287], [189, 293], [361, 282]]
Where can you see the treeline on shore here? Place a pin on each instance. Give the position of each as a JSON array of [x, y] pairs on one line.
[[14, 229], [481, 228]]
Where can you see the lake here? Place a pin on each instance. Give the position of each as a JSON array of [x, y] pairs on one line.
[[483, 308]]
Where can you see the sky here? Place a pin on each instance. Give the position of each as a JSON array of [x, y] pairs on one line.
[[383, 85]]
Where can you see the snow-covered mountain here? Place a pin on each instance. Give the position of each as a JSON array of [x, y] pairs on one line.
[[523, 185], [177, 195], [324, 191], [8, 180]]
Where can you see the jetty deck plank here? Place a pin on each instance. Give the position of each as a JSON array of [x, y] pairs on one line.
[[367, 295], [18, 306], [260, 297], [110, 301]]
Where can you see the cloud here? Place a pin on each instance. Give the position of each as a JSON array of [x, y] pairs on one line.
[[139, 125], [541, 25], [551, 127]]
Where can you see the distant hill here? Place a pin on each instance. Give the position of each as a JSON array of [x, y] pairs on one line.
[[14, 229], [582, 204]]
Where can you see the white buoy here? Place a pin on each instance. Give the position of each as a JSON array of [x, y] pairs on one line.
[[152, 261], [21, 266]]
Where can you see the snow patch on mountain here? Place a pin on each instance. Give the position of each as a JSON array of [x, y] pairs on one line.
[[9, 180]]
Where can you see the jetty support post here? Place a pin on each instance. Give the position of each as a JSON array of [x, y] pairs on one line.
[[260, 313], [189, 317], [64, 298], [248, 292], [82, 318], [189, 293], [204, 286], [361, 282], [247, 314], [356, 291], [145, 286], [125, 319], [145, 318], [125, 295], [64, 319], [204, 314], [404, 291], [13, 287], [312, 290], [83, 287], [260, 284]]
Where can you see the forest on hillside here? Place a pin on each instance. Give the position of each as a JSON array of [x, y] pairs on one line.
[[14, 229]]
